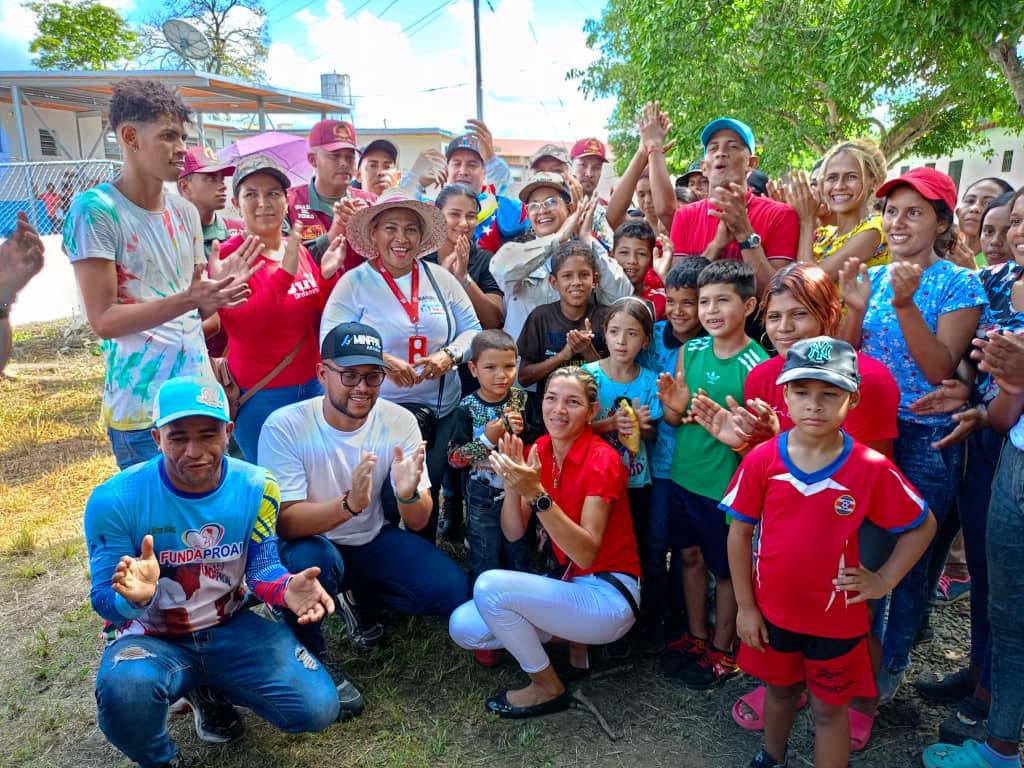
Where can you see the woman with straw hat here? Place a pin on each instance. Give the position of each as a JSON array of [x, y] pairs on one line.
[[424, 316]]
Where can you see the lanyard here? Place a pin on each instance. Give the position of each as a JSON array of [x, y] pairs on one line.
[[411, 307]]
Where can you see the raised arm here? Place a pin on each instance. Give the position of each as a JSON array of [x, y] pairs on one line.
[[654, 127], [622, 198]]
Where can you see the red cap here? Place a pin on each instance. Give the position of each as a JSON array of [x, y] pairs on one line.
[[927, 182], [589, 148], [203, 160], [332, 135]]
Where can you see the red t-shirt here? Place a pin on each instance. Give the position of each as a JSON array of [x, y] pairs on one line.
[[873, 418], [693, 228], [593, 468], [809, 525], [281, 308]]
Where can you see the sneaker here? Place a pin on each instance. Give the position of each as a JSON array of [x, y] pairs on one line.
[[947, 687], [486, 658], [714, 667], [681, 653], [362, 629], [888, 684], [967, 721], [951, 590], [350, 700], [763, 760], [925, 634], [216, 720]]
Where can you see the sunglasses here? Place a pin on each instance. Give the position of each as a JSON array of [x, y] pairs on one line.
[[353, 378]]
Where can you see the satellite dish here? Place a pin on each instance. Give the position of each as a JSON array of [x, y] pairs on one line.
[[186, 40]]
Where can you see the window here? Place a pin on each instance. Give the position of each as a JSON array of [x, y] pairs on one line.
[[1007, 160], [47, 143], [904, 169], [929, 165], [956, 167], [111, 150]]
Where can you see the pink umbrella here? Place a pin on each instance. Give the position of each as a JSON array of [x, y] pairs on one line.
[[286, 150]]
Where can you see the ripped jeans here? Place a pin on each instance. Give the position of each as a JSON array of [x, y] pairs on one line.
[[276, 677]]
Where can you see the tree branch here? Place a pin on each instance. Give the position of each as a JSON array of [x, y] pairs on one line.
[[1005, 57]]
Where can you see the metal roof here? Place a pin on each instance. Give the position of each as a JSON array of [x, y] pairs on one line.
[[85, 91]]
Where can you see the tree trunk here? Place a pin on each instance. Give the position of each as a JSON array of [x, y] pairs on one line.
[[1004, 56]]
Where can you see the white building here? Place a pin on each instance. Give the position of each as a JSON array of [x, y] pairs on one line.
[[965, 167]]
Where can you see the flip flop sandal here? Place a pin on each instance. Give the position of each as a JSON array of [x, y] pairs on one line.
[[860, 729], [755, 702]]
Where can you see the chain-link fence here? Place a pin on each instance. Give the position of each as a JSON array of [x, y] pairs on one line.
[[44, 190]]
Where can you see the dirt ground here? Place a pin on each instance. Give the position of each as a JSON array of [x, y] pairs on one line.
[[424, 696]]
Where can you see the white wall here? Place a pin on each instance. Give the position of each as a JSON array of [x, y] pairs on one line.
[[61, 122], [975, 165]]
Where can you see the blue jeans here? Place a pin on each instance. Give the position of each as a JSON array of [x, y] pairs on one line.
[[132, 446], [1004, 537], [141, 675], [982, 458], [488, 547], [398, 569], [254, 413], [936, 476]]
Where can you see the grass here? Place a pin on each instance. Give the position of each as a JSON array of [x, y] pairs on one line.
[[424, 696]]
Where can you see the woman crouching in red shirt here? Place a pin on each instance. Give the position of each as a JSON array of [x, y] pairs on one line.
[[576, 485], [272, 337]]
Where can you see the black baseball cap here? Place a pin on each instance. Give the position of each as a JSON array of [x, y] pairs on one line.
[[822, 359], [380, 145], [353, 344]]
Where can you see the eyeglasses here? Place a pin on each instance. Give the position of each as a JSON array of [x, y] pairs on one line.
[[543, 205], [352, 378]]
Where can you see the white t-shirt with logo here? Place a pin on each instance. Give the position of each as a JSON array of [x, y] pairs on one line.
[[313, 461], [154, 254]]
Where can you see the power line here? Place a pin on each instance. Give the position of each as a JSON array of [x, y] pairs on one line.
[[386, 9], [437, 10]]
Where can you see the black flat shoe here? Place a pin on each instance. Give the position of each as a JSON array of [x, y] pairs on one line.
[[499, 705]]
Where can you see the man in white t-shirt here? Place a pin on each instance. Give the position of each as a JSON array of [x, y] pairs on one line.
[[332, 456], [138, 259]]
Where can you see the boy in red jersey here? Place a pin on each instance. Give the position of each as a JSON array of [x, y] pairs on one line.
[[803, 617]]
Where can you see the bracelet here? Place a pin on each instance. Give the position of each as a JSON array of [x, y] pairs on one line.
[[345, 506], [467, 281], [486, 441], [742, 448], [656, 149], [411, 500]]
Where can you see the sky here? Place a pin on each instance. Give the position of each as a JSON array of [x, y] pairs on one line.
[[413, 67]]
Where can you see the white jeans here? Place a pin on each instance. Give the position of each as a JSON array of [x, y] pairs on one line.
[[520, 611]]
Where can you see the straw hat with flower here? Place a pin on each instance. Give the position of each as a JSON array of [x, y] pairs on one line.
[[360, 226]]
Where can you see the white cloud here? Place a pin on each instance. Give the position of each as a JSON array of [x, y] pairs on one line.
[[18, 27], [526, 93]]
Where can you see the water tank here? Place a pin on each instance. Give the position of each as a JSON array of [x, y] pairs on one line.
[[336, 87]]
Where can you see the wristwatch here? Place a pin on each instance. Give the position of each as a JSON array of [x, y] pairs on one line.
[[542, 503], [754, 241], [347, 508]]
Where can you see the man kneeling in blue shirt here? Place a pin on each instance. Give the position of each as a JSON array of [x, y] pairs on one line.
[[175, 546]]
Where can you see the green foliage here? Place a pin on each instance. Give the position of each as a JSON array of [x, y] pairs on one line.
[[918, 77], [236, 29], [80, 35]]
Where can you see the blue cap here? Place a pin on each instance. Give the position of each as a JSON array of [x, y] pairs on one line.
[[721, 123], [190, 396]]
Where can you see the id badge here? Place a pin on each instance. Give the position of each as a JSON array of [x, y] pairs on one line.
[[417, 348]]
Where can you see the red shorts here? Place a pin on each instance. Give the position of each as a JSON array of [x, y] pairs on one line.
[[835, 670]]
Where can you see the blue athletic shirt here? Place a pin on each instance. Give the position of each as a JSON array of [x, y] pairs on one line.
[[208, 545]]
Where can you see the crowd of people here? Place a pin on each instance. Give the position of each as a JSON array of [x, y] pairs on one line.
[[731, 422]]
